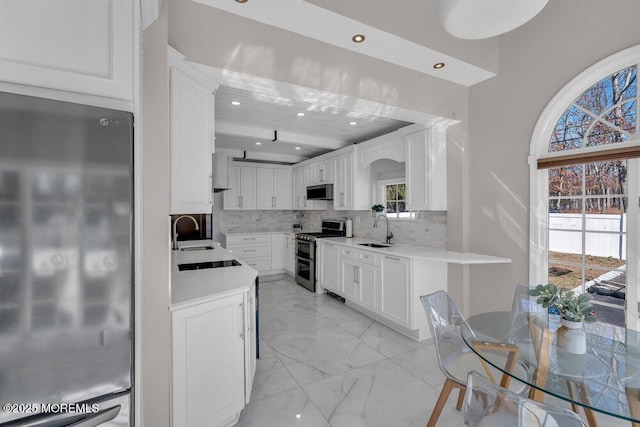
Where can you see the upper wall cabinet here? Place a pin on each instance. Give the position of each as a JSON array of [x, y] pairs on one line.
[[426, 168], [73, 45], [191, 137], [258, 186]]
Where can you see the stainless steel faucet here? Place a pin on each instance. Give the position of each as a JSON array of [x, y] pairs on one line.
[[389, 233], [175, 232]]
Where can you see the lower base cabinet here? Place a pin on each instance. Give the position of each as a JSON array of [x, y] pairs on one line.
[[395, 290], [213, 360]]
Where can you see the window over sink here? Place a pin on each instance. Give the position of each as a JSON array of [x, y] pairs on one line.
[[392, 194]]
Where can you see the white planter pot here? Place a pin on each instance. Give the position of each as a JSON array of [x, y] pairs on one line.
[[571, 337]]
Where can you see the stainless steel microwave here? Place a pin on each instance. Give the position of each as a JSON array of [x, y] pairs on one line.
[[320, 192]]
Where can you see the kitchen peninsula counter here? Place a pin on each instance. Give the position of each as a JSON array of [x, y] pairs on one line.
[[420, 252], [190, 287]]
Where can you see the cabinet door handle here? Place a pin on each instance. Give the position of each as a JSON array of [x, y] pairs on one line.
[[357, 274], [273, 202], [249, 238], [392, 257], [321, 175], [305, 201], [249, 250], [298, 201], [328, 244], [341, 199]]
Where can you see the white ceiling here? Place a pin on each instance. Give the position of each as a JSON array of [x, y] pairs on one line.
[[322, 128], [309, 20]]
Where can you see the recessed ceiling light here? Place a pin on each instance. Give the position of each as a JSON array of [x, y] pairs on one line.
[[353, 123], [438, 65], [241, 1], [258, 143], [235, 102], [297, 148], [358, 38], [300, 114]]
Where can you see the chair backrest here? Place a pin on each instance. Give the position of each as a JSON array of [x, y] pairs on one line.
[[445, 320], [488, 404]]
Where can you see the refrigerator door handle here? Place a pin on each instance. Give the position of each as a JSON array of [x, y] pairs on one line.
[[74, 420], [94, 420]]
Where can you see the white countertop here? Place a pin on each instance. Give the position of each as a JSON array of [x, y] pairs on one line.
[[259, 233], [197, 286], [421, 252]]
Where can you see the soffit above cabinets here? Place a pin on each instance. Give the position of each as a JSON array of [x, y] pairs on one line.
[[310, 20]]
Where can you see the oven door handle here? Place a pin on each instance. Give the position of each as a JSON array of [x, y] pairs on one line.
[[305, 259]]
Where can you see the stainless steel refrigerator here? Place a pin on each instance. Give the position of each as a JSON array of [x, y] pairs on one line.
[[66, 276]]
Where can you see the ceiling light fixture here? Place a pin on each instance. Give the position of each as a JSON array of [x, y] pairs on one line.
[[300, 114], [358, 38], [241, 1], [258, 143], [353, 123], [438, 65], [235, 102], [475, 19], [297, 148]]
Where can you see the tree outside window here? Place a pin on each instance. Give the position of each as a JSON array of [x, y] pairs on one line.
[[395, 196]]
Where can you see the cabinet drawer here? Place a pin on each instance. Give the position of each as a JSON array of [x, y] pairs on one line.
[[260, 264], [258, 238], [349, 253], [368, 257], [251, 251]]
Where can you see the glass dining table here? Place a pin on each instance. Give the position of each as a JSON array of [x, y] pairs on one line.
[[605, 379]]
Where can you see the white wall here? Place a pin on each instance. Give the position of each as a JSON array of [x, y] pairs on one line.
[[535, 62]]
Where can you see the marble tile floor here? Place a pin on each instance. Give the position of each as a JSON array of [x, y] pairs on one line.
[[325, 364]]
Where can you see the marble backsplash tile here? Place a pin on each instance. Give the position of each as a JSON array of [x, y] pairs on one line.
[[430, 230], [255, 221]]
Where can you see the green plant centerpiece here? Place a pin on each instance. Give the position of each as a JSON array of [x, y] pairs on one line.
[[377, 208], [571, 306]]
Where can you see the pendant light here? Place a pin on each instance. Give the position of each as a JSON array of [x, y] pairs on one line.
[[481, 19]]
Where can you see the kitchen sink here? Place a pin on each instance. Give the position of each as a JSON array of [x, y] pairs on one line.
[[209, 264], [374, 245], [197, 248]]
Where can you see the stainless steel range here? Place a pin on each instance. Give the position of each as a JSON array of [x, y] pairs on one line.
[[306, 251]]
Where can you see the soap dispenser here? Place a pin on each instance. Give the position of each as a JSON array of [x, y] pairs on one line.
[[349, 228]]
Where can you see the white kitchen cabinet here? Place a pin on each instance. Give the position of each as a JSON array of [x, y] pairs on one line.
[[359, 282], [208, 364], [352, 187], [426, 170], [278, 250], [252, 249], [78, 46], [348, 278], [328, 266], [303, 177], [395, 290], [242, 192], [274, 188], [250, 342], [191, 137]]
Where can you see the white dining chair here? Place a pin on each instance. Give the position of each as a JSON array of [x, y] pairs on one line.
[[487, 404], [455, 358]]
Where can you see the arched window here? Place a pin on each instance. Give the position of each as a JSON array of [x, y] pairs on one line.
[[584, 187]]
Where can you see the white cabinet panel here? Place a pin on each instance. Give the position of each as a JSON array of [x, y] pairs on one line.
[[282, 182], [368, 287], [395, 290], [273, 188], [278, 243], [74, 45], [290, 253], [208, 362], [242, 194], [426, 169], [328, 265], [250, 346], [349, 279], [191, 142]]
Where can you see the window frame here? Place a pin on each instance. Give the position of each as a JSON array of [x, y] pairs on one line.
[[538, 220], [382, 199]]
